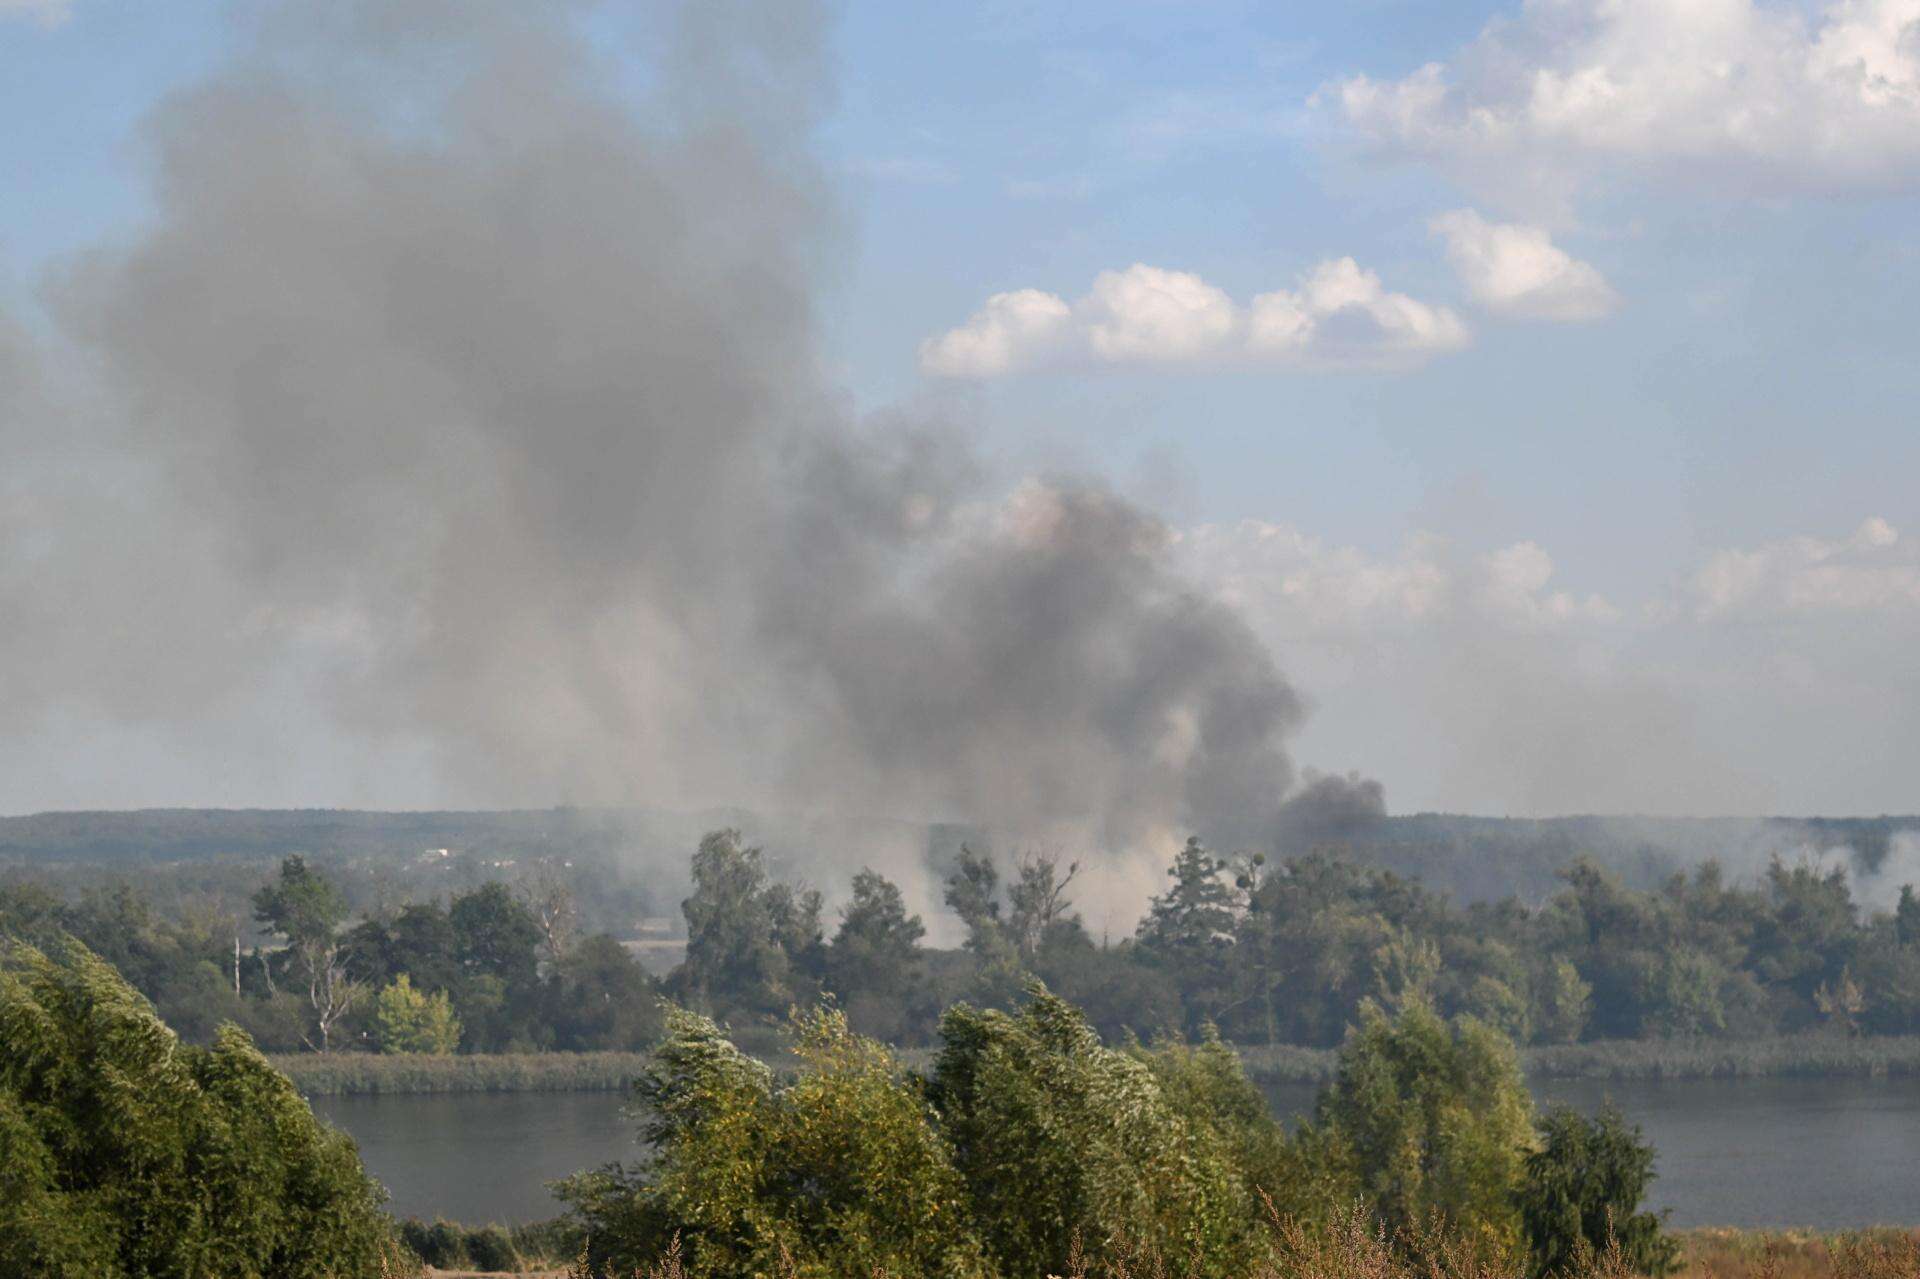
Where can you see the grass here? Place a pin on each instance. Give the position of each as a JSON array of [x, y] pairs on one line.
[[495, 1249], [365, 1074]]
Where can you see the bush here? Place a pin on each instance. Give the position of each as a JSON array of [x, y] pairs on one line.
[[840, 1172], [124, 1152], [1062, 1141], [1582, 1194], [1434, 1120]]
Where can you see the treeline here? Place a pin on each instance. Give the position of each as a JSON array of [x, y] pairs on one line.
[[1263, 952], [496, 969], [1289, 953]]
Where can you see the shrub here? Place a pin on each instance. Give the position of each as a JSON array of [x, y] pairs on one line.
[[1582, 1193], [1061, 1141], [124, 1152], [840, 1172], [1433, 1119]]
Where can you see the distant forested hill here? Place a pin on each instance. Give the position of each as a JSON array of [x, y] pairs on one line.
[[1471, 858], [172, 834]]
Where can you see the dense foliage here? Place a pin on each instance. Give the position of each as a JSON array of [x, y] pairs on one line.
[[491, 969], [1030, 1147], [1269, 952], [1581, 1194], [125, 1153]]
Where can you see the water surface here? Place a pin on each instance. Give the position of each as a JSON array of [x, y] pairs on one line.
[[1826, 1153]]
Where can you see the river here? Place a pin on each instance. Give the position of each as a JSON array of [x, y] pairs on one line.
[[1825, 1153]]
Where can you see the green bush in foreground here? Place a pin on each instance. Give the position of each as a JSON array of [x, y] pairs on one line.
[[126, 1153], [1030, 1148], [1435, 1120], [1582, 1190], [841, 1172]]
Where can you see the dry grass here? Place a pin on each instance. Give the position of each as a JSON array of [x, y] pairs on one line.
[[1356, 1248], [1799, 1254]]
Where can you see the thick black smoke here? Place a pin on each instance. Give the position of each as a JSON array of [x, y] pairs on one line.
[[491, 376]]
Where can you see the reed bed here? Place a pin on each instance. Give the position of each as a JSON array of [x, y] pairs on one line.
[[1784, 1055], [368, 1074], [359, 1074]]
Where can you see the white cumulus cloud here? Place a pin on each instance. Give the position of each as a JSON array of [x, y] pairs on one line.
[[1517, 271], [1870, 571], [1339, 316], [1769, 94], [1011, 330]]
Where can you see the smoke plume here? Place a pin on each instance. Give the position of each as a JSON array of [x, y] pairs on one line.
[[476, 377]]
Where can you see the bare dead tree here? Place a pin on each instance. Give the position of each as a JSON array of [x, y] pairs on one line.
[[331, 991], [1037, 897], [546, 892]]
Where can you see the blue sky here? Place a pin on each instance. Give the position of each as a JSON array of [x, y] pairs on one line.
[[1711, 448]]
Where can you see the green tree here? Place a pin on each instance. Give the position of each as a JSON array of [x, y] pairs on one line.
[[301, 905], [496, 943], [1189, 931], [412, 1021], [1060, 1139], [124, 1153], [1681, 994], [1205, 1084], [1195, 915], [602, 999], [1435, 1119], [840, 1172], [307, 909], [1563, 1002], [972, 894], [1906, 917], [1582, 1193], [752, 946], [875, 963]]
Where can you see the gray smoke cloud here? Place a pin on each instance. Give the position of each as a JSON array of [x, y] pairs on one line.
[[477, 378]]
